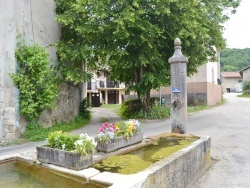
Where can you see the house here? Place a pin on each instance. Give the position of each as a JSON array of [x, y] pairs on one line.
[[203, 87], [206, 81], [102, 90], [245, 73], [230, 81]]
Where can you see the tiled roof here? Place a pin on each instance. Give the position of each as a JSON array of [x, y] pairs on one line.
[[231, 74], [241, 72]]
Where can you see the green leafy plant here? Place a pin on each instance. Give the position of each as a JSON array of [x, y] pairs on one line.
[[130, 107], [61, 140], [85, 144], [133, 109], [36, 80], [82, 144], [156, 112], [246, 87], [84, 112]]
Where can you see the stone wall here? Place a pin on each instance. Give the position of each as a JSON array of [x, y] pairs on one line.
[[35, 22], [67, 107], [246, 75], [211, 91], [181, 169], [193, 99]]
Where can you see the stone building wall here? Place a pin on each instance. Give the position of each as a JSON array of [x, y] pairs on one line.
[[35, 22], [246, 75]]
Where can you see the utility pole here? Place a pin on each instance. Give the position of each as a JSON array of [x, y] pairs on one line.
[[178, 63]]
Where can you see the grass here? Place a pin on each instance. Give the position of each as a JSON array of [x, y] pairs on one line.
[[14, 142], [191, 109], [115, 107], [197, 108], [102, 120], [36, 132], [244, 95]]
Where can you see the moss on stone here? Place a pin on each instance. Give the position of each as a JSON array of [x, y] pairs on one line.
[[142, 158], [123, 164], [166, 151]]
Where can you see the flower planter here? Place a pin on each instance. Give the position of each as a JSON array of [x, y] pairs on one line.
[[63, 158], [119, 142]]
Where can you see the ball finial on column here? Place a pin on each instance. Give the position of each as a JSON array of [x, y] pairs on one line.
[[177, 42]]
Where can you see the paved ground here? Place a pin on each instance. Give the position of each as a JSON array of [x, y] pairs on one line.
[[228, 125], [229, 128]]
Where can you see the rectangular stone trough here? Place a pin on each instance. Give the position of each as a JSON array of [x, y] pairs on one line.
[[119, 142], [181, 169], [66, 159]]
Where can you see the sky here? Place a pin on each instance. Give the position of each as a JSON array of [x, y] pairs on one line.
[[237, 31]]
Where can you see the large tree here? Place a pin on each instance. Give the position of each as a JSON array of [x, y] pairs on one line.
[[135, 37]]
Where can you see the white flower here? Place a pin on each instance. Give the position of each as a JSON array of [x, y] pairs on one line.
[[100, 134], [111, 135], [94, 143], [63, 147], [78, 142]]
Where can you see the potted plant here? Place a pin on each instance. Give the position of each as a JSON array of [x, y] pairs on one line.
[[112, 136], [64, 149]]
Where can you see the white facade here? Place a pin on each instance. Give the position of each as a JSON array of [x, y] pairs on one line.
[[209, 72], [206, 73], [108, 91]]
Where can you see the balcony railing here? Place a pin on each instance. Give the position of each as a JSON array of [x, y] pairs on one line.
[[101, 84]]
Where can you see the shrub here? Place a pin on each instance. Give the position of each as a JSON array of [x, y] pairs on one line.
[[84, 105], [133, 109], [130, 107], [156, 112], [246, 86]]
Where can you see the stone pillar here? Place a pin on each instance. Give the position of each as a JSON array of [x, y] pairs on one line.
[[178, 63]]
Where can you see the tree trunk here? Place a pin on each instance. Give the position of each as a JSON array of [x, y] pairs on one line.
[[147, 105]]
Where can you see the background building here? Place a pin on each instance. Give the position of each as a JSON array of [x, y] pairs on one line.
[[231, 81], [203, 87], [102, 90]]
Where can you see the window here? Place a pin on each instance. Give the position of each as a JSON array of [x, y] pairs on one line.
[[212, 75]]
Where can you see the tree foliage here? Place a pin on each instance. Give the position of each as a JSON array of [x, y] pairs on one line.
[[235, 59], [135, 37]]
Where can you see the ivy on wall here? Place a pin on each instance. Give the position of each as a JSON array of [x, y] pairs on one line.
[[36, 80]]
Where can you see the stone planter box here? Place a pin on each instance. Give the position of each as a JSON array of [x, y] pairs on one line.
[[119, 142], [63, 158]]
